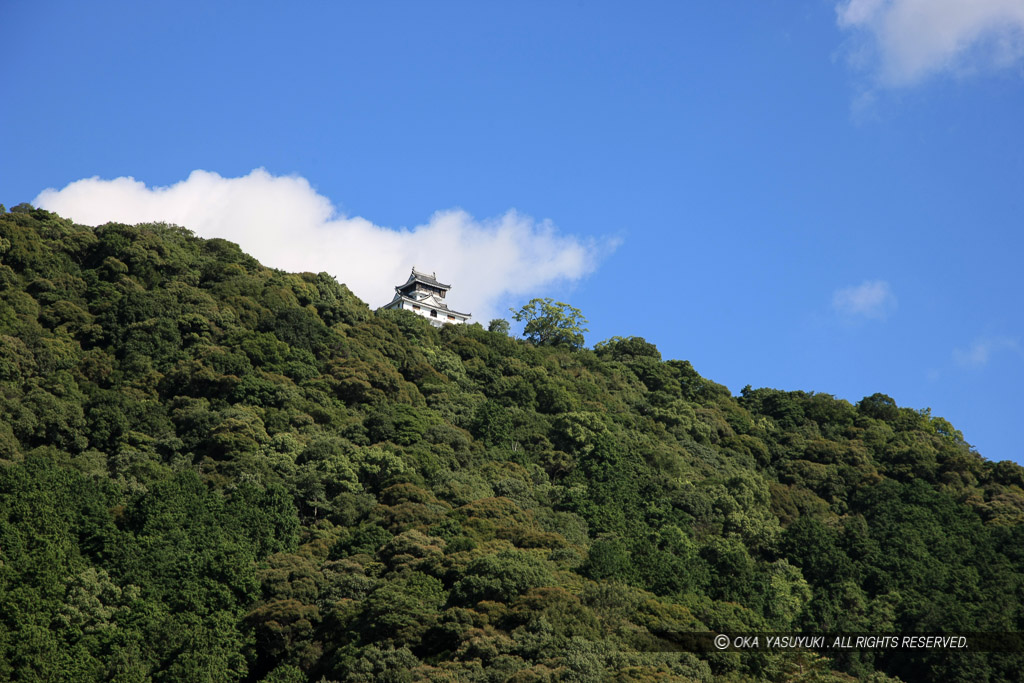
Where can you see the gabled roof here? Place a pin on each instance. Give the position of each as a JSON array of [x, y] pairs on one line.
[[429, 280], [428, 300], [425, 304]]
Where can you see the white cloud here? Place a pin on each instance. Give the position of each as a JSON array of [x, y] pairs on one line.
[[286, 224], [914, 39], [872, 299], [982, 349]]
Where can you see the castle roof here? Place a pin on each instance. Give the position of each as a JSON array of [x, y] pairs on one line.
[[431, 302], [429, 280]]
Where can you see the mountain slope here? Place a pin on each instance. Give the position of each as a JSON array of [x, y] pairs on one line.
[[211, 470]]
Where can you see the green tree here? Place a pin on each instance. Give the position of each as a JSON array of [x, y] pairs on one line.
[[499, 326], [551, 323], [210, 470]]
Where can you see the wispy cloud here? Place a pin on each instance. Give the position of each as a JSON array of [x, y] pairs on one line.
[[981, 350], [906, 41], [872, 299], [286, 224]]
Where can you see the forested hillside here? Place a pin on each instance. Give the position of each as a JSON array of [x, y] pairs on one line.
[[211, 471]]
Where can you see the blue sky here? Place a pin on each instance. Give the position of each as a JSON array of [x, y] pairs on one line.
[[818, 195]]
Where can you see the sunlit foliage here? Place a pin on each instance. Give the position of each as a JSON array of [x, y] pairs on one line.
[[215, 471]]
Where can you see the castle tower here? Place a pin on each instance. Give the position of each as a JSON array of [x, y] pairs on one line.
[[424, 295]]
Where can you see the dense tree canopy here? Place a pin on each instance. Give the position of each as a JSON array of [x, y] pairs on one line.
[[551, 323], [215, 471]]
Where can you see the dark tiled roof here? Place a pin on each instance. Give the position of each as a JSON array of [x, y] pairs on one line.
[[431, 280], [442, 308]]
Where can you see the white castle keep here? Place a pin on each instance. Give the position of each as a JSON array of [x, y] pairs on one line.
[[424, 295]]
